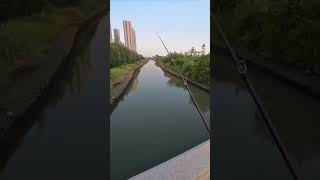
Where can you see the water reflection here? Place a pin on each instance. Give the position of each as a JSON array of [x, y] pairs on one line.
[[242, 141], [155, 113], [58, 131], [294, 114], [200, 96], [68, 82], [132, 86]]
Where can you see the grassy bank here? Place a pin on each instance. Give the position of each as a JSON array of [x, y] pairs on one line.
[[122, 60], [195, 67], [26, 39], [117, 74]]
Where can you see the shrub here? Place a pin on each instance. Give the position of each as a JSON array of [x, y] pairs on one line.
[[120, 55]]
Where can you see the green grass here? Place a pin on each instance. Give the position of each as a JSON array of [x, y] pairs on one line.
[[119, 73], [26, 40], [22, 39]]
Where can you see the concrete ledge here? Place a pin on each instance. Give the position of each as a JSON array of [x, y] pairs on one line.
[[193, 164]]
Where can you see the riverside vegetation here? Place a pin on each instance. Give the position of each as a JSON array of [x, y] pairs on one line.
[[286, 31], [27, 29], [193, 64], [121, 61]]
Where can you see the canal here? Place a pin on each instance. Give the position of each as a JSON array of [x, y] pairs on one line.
[[239, 126], [154, 122], [64, 136]]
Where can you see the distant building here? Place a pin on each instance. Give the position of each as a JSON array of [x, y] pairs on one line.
[[110, 33], [116, 34], [129, 36], [134, 41]]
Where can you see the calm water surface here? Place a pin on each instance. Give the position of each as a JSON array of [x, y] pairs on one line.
[[65, 137], [155, 121], [239, 126]]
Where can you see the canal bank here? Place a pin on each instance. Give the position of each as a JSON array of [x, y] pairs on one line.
[[24, 93], [119, 87], [64, 135], [290, 74], [199, 85], [155, 112]]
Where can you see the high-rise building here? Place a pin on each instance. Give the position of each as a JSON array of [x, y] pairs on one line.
[[129, 36], [134, 41], [116, 34], [110, 33], [126, 30]]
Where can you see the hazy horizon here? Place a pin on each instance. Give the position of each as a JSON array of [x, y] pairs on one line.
[[181, 24]]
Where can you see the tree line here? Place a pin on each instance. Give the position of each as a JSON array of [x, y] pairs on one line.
[[284, 30], [192, 64], [120, 55], [20, 8]]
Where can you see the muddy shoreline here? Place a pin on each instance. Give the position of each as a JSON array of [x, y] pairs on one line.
[[119, 89], [201, 86], [24, 94], [291, 75]]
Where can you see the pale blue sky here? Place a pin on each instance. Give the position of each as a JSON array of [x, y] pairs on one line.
[[182, 24]]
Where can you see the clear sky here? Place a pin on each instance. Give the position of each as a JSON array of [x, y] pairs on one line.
[[182, 24]]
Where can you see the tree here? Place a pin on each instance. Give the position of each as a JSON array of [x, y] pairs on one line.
[[192, 51], [203, 49], [120, 55]]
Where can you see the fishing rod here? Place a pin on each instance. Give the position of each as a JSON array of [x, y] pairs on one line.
[[242, 69], [186, 85]]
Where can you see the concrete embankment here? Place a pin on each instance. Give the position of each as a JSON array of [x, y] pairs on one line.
[[289, 74], [20, 97], [118, 90], [199, 85], [193, 164]]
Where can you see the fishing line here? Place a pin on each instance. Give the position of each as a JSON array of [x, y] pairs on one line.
[[242, 69], [186, 85]]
